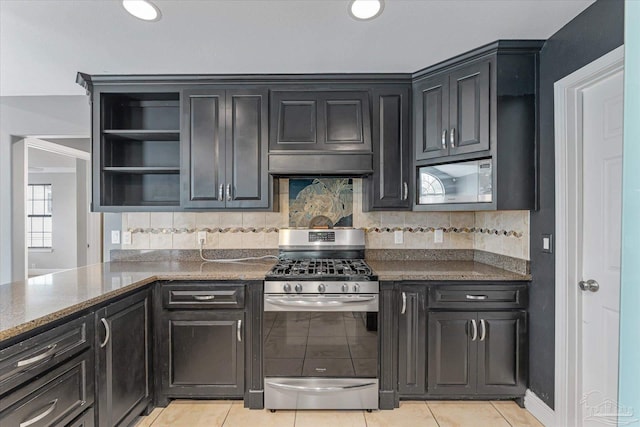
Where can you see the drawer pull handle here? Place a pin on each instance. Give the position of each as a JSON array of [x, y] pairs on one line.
[[50, 409], [239, 330], [107, 332], [474, 331], [51, 350], [483, 330], [404, 303], [476, 297], [204, 297]]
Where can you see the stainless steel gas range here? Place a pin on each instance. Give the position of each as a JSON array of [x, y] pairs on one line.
[[321, 323]]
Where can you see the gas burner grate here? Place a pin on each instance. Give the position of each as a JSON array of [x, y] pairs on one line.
[[310, 268]]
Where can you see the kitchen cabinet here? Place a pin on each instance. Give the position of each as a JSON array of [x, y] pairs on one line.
[[412, 340], [389, 187], [320, 131], [480, 105], [123, 360], [451, 112], [477, 342], [224, 149], [200, 340], [87, 419], [136, 150], [479, 353]]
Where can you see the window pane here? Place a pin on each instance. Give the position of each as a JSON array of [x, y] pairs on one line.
[[46, 242], [47, 226], [36, 240], [38, 207], [38, 192]]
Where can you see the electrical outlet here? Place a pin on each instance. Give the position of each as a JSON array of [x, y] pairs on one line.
[[202, 237], [398, 237], [115, 237], [126, 238], [438, 236]]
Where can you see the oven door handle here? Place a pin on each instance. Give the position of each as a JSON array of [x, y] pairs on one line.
[[319, 302], [318, 389]]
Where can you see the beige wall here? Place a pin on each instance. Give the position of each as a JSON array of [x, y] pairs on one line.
[[515, 221]]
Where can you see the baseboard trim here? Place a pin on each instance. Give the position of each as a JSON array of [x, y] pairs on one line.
[[539, 409]]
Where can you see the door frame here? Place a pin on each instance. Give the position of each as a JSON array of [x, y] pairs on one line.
[[568, 216]]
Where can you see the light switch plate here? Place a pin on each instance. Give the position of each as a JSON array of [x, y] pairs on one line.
[[115, 237], [547, 243], [126, 238], [438, 236], [398, 237]]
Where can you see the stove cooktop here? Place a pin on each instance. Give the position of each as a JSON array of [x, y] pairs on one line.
[[315, 269]]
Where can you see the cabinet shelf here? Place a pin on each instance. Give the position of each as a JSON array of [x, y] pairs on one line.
[[143, 134], [142, 170]]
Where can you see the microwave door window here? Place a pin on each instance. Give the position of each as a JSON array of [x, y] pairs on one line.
[[431, 188]]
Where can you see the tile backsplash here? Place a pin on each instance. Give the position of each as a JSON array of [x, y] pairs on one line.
[[502, 232]]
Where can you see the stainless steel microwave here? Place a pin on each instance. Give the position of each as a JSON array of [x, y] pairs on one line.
[[463, 182]]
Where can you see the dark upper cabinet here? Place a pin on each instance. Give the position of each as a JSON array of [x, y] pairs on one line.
[[123, 360], [224, 149], [451, 112], [320, 131], [412, 340], [390, 184]]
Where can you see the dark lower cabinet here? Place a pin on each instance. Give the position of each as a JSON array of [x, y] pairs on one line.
[[87, 419], [203, 354], [479, 353], [123, 360], [412, 340]]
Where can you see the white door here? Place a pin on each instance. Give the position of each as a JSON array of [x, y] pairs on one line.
[[601, 233]]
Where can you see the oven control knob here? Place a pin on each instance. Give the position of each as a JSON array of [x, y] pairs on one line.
[[287, 287], [298, 288], [322, 288], [345, 288], [356, 288]]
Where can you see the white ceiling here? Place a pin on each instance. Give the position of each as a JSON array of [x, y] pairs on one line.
[[44, 43]]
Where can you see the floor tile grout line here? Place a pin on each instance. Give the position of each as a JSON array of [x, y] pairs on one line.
[[156, 418], [227, 414], [500, 412], [431, 412]]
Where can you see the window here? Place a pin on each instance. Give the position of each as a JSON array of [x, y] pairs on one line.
[[39, 222]]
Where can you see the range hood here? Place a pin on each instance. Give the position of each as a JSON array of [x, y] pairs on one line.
[[321, 164]]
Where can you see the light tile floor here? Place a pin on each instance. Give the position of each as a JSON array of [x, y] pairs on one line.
[[225, 413]]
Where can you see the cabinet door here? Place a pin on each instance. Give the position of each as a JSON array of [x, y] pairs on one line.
[[388, 187], [123, 360], [247, 180], [294, 119], [203, 149], [502, 353], [412, 341], [431, 117], [344, 123], [203, 354], [469, 104], [452, 352]]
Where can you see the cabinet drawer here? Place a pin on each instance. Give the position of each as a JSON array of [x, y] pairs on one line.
[[203, 296], [54, 399], [25, 360], [478, 297]]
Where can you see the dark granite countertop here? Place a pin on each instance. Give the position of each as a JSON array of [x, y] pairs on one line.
[[26, 305]]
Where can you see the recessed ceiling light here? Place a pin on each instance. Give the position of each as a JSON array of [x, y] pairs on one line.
[[142, 9], [364, 10]]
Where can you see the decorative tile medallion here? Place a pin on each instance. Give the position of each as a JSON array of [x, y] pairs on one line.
[[321, 202]]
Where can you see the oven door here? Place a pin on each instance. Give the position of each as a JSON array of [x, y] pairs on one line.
[[332, 336]]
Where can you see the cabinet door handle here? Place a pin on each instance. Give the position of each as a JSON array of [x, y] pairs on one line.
[[229, 193], [50, 409], [406, 191], [239, 330], [476, 297], [204, 297], [452, 137], [444, 139], [404, 303], [24, 363], [221, 193], [107, 332], [483, 330], [474, 330]]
